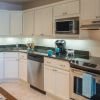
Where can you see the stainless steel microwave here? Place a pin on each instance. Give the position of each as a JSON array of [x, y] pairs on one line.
[[67, 26]]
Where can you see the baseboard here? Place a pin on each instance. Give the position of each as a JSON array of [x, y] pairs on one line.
[[41, 91]]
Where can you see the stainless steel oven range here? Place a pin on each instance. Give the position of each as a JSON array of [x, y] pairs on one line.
[[76, 85]]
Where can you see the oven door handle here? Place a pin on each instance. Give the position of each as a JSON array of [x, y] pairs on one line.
[[82, 72]]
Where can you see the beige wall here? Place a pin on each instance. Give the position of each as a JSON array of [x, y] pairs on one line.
[[37, 3]]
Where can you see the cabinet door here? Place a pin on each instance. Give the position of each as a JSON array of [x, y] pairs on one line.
[[43, 21], [97, 9], [73, 7], [23, 69], [16, 23], [49, 79], [62, 84], [11, 68], [1, 69], [88, 9], [28, 23], [4, 22], [60, 10], [66, 9]]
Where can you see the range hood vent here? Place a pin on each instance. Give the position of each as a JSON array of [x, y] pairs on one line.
[[94, 25]]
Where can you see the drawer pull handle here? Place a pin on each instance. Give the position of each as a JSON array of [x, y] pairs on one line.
[[54, 70], [62, 65], [48, 62]]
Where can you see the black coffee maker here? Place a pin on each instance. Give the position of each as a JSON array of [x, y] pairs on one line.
[[61, 44]]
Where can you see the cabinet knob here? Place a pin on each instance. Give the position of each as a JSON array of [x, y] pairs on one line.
[[97, 16], [54, 70], [48, 62], [62, 65], [65, 13], [42, 34]]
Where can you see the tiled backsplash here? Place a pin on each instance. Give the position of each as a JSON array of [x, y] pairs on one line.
[[88, 45]]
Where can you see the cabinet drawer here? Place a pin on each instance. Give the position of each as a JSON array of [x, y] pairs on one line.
[[60, 10], [64, 65], [11, 54], [23, 56], [49, 61]]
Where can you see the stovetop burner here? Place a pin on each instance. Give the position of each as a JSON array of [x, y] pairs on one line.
[[83, 62], [89, 65]]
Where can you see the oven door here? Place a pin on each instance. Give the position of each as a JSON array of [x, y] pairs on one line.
[[76, 85]]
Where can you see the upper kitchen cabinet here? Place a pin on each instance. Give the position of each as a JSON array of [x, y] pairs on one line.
[[68, 9], [4, 22], [28, 22], [43, 21], [16, 23], [90, 9], [98, 9]]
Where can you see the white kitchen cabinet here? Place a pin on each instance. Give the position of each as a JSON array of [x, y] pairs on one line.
[[11, 65], [4, 22], [15, 23], [11, 68], [73, 7], [97, 9], [90, 9], [1, 66], [62, 84], [60, 10], [28, 22], [56, 77], [23, 66], [68, 9], [49, 80], [43, 21], [56, 82]]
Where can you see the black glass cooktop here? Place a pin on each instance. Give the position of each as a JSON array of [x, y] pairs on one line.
[[89, 65]]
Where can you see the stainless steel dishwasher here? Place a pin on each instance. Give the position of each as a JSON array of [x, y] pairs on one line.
[[36, 72]]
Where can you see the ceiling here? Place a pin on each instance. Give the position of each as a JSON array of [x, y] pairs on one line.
[[16, 1]]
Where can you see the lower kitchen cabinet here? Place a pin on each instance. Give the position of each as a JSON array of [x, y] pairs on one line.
[[56, 82], [62, 83], [11, 68], [8, 65], [11, 65], [23, 70], [23, 66], [49, 80], [1, 67]]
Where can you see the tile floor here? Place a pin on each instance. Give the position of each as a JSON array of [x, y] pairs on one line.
[[21, 91]]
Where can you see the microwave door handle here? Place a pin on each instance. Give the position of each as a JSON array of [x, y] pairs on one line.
[[73, 27]]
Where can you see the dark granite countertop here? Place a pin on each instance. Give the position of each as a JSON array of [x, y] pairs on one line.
[[94, 60]]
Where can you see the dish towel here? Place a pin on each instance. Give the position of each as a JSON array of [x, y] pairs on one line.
[[88, 86]]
